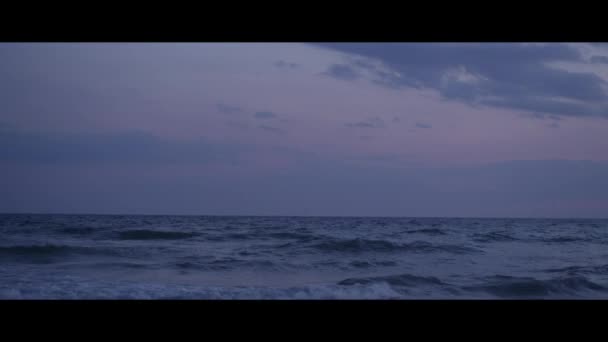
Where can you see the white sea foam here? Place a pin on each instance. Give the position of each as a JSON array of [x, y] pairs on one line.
[[78, 289]]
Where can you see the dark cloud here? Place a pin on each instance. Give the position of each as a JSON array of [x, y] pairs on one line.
[[271, 129], [396, 119], [121, 148], [284, 64], [549, 106], [542, 116], [514, 76], [369, 123], [227, 109], [423, 125], [342, 72], [264, 115], [599, 59]]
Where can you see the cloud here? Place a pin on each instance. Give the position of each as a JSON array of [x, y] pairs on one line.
[[366, 137], [396, 119], [543, 116], [549, 106], [227, 109], [342, 72], [513, 76], [553, 125], [423, 125], [369, 123], [271, 129], [282, 64], [599, 59], [124, 147], [264, 115]]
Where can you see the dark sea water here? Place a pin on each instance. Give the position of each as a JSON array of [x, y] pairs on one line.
[[207, 257]]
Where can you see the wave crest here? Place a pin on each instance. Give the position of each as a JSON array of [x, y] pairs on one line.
[[525, 287], [407, 280], [365, 245], [146, 234]]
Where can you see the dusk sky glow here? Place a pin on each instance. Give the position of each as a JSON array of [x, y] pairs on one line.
[[460, 130]]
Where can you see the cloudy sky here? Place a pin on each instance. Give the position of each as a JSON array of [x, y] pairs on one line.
[[507, 130]]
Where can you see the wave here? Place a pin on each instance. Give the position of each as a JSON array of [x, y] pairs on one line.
[[229, 237], [42, 253], [506, 237], [365, 245], [39, 249], [597, 270], [428, 231], [129, 265], [73, 289], [146, 234], [78, 230], [261, 235], [493, 237], [407, 280], [588, 225], [294, 236], [564, 239], [370, 264], [229, 264], [525, 287], [269, 265]]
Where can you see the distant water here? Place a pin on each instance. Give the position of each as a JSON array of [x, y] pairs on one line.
[[189, 257]]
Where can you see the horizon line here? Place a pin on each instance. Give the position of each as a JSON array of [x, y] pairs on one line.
[[314, 216]]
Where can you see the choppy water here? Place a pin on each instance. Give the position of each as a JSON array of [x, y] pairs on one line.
[[189, 257]]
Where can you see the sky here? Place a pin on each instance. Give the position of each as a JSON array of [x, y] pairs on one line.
[[327, 129]]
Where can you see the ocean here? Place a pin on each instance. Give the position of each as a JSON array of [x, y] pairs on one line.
[[238, 257]]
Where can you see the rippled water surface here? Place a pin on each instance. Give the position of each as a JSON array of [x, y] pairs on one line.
[[212, 257]]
